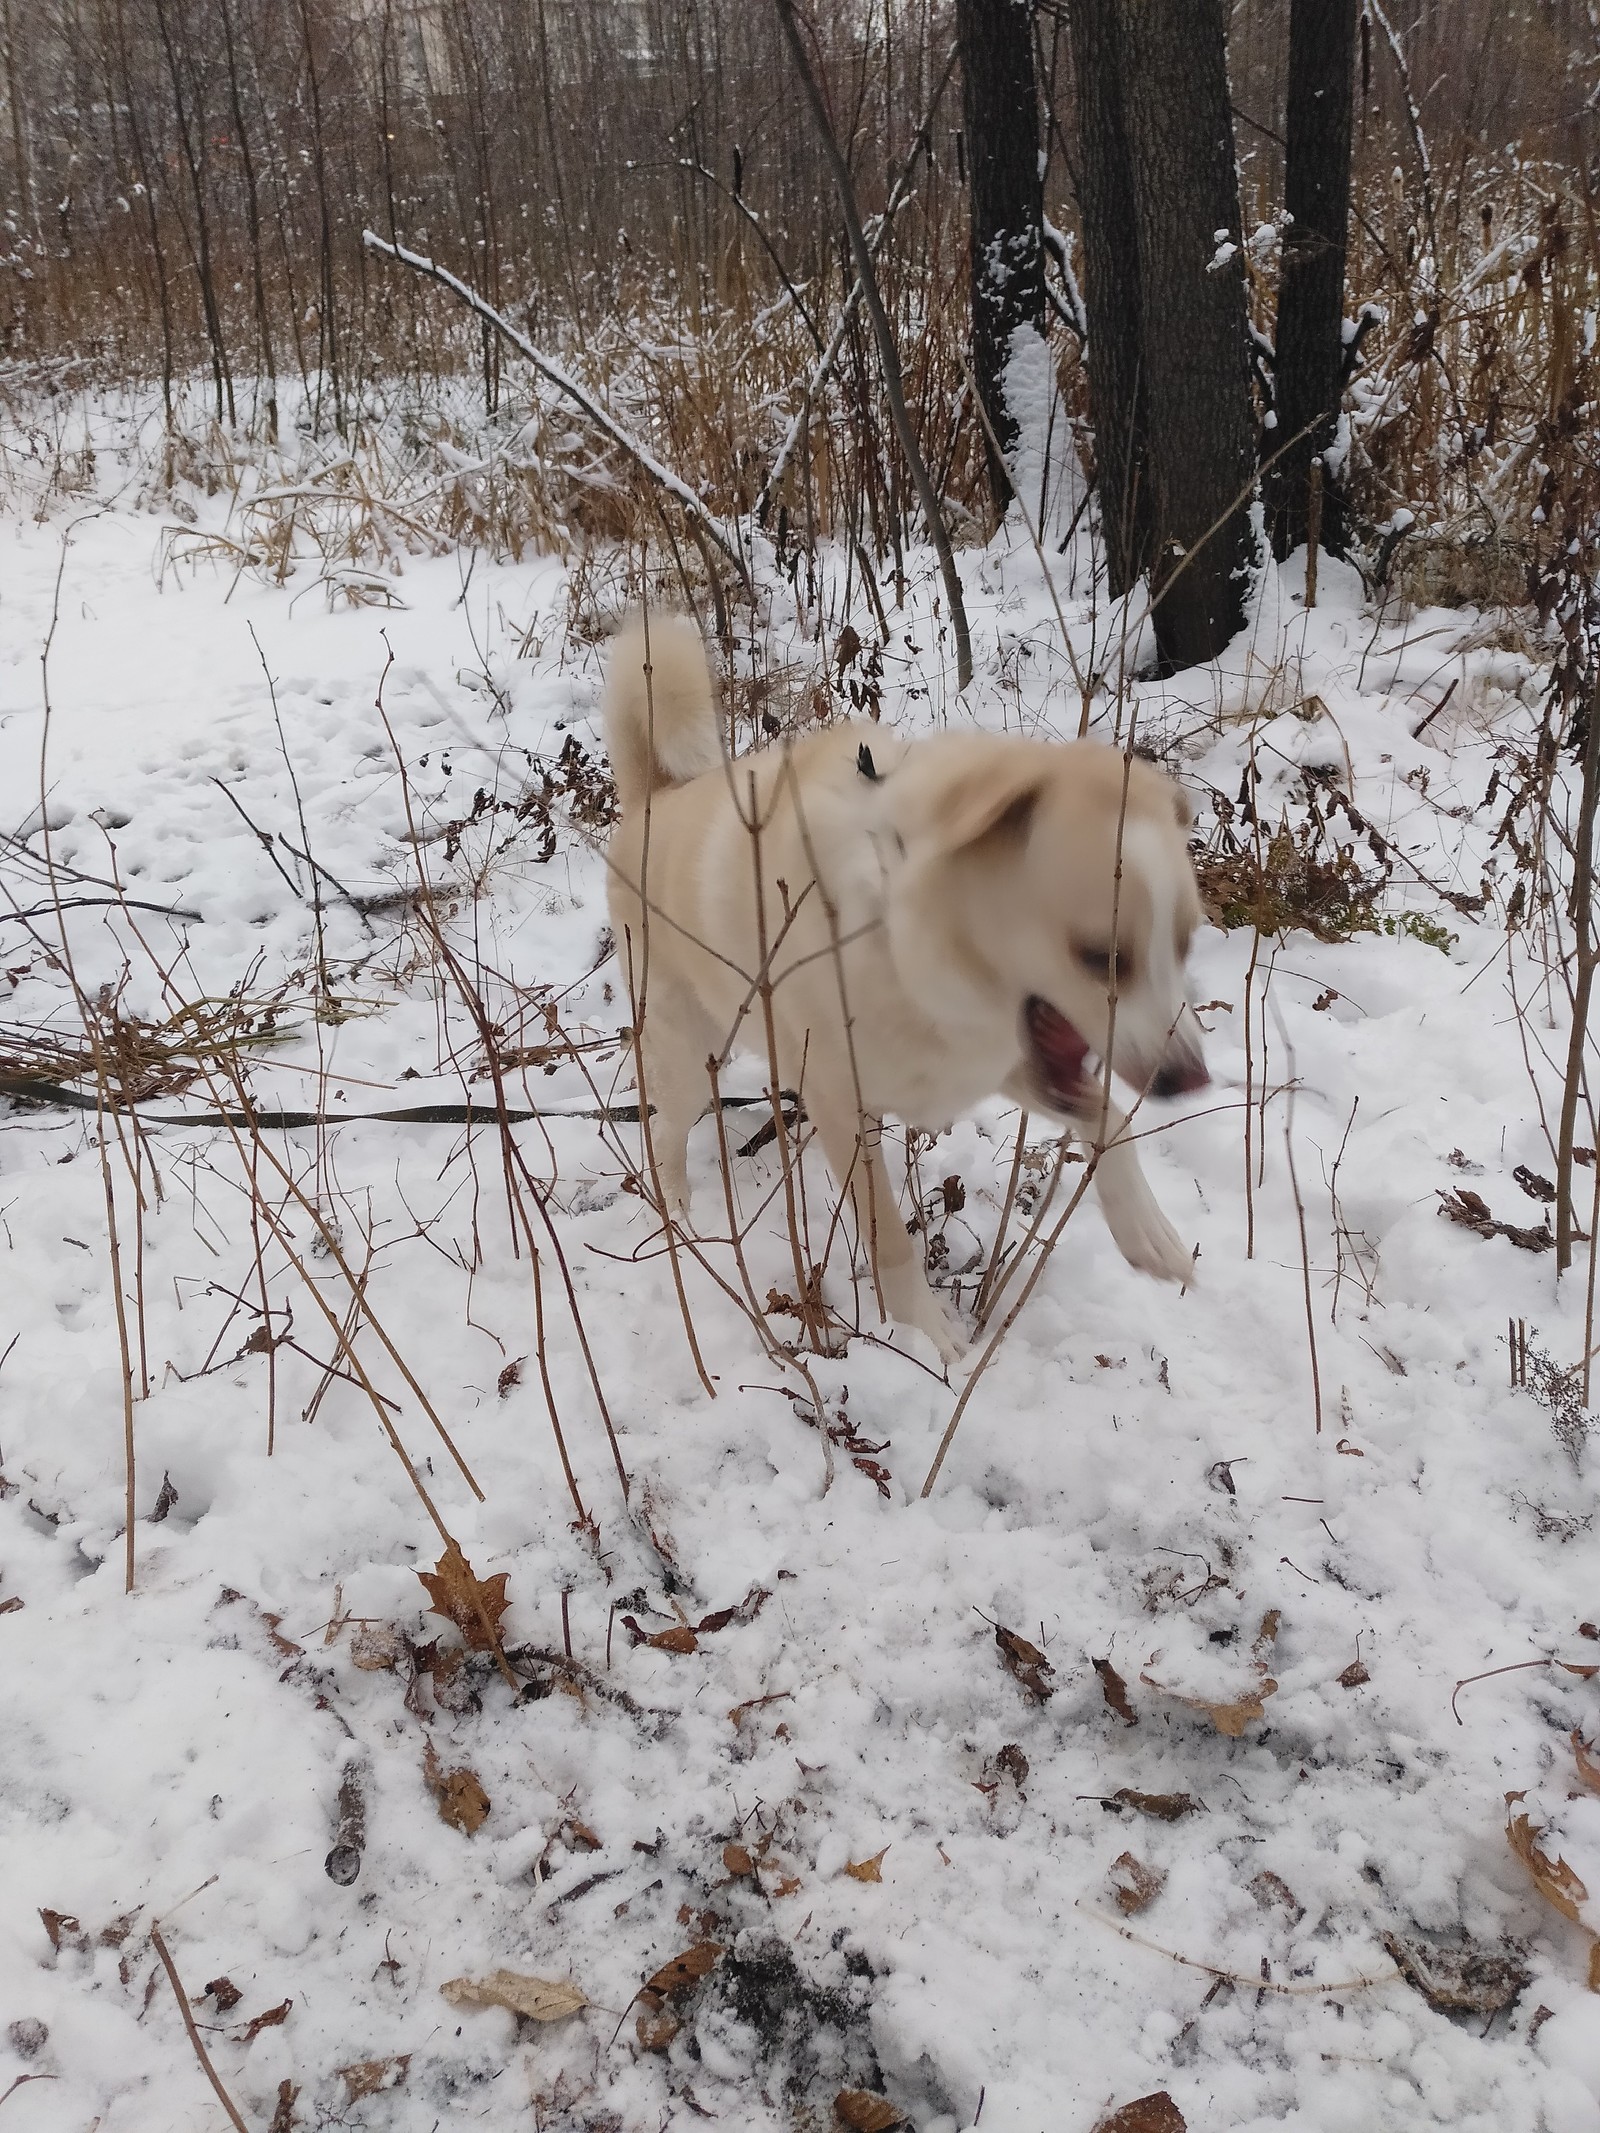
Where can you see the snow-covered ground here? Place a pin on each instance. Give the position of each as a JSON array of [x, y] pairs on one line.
[[1137, 1480]]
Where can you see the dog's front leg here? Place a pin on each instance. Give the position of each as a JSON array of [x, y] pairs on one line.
[[852, 1144], [1143, 1235]]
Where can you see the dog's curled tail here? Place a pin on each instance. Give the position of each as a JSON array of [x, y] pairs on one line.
[[660, 720]]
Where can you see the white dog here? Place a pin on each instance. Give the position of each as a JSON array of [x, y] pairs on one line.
[[940, 920]]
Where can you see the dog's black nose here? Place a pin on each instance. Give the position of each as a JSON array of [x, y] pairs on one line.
[[1180, 1077]]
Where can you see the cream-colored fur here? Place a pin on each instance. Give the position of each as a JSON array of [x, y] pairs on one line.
[[915, 897]]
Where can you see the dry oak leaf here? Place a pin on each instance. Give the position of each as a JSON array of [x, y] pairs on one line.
[[686, 1969], [463, 1803], [473, 1604], [1553, 1878], [367, 2076], [1115, 1691], [1146, 2114], [1555, 1881], [541, 1999], [1160, 1806], [1231, 1718], [864, 2112], [1026, 1662], [866, 1869], [1135, 1885]]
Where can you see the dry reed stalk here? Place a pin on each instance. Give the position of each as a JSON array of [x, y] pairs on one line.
[[638, 991], [997, 1250], [809, 1319], [200, 2052], [1300, 1216]]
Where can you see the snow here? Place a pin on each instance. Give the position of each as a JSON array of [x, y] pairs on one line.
[[1138, 1477]]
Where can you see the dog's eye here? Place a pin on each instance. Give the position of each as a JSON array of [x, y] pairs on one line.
[[1097, 961]]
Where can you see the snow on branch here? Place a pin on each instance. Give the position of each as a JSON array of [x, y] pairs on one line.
[[564, 383]]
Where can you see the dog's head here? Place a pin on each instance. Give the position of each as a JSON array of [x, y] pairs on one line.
[[1056, 883]]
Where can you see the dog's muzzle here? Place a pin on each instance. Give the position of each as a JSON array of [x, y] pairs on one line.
[[1180, 1074]]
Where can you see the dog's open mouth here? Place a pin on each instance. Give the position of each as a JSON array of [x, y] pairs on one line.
[[1058, 1053]]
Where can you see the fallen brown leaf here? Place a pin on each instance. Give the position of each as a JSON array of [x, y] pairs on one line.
[[1273, 1893], [367, 2076], [1026, 1663], [1115, 1691], [376, 1648], [866, 1869], [1012, 1763], [1472, 1211], [1231, 1718], [681, 1639], [686, 1969], [1146, 2114], [463, 1803], [657, 2024], [541, 1999], [864, 2112], [737, 1860], [1354, 1675], [1460, 1977], [1588, 1763], [1160, 1806], [1135, 1885], [1553, 1878], [274, 2018], [473, 1604], [224, 1992]]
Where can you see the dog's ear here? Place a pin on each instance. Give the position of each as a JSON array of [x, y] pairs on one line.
[[1182, 806], [990, 807]]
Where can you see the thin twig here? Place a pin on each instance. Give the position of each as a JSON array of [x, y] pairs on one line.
[[200, 2051]]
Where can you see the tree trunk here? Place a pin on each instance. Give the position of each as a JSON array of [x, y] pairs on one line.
[[1202, 448], [1111, 291], [1005, 191], [1310, 352]]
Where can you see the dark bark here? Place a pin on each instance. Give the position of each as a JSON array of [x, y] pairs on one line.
[[1005, 193], [1111, 292], [1195, 369], [1310, 345]]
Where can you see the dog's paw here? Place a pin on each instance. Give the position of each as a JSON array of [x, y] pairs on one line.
[[910, 1302], [1145, 1238]]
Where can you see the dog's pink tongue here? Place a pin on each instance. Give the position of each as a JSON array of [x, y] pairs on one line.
[[1060, 1049]]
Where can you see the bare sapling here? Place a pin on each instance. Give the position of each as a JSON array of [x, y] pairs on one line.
[[888, 354], [1586, 952]]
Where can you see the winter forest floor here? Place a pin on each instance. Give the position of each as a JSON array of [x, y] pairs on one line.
[[1233, 1837]]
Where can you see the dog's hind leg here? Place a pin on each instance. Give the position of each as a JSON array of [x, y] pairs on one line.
[[676, 1038], [853, 1148]]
